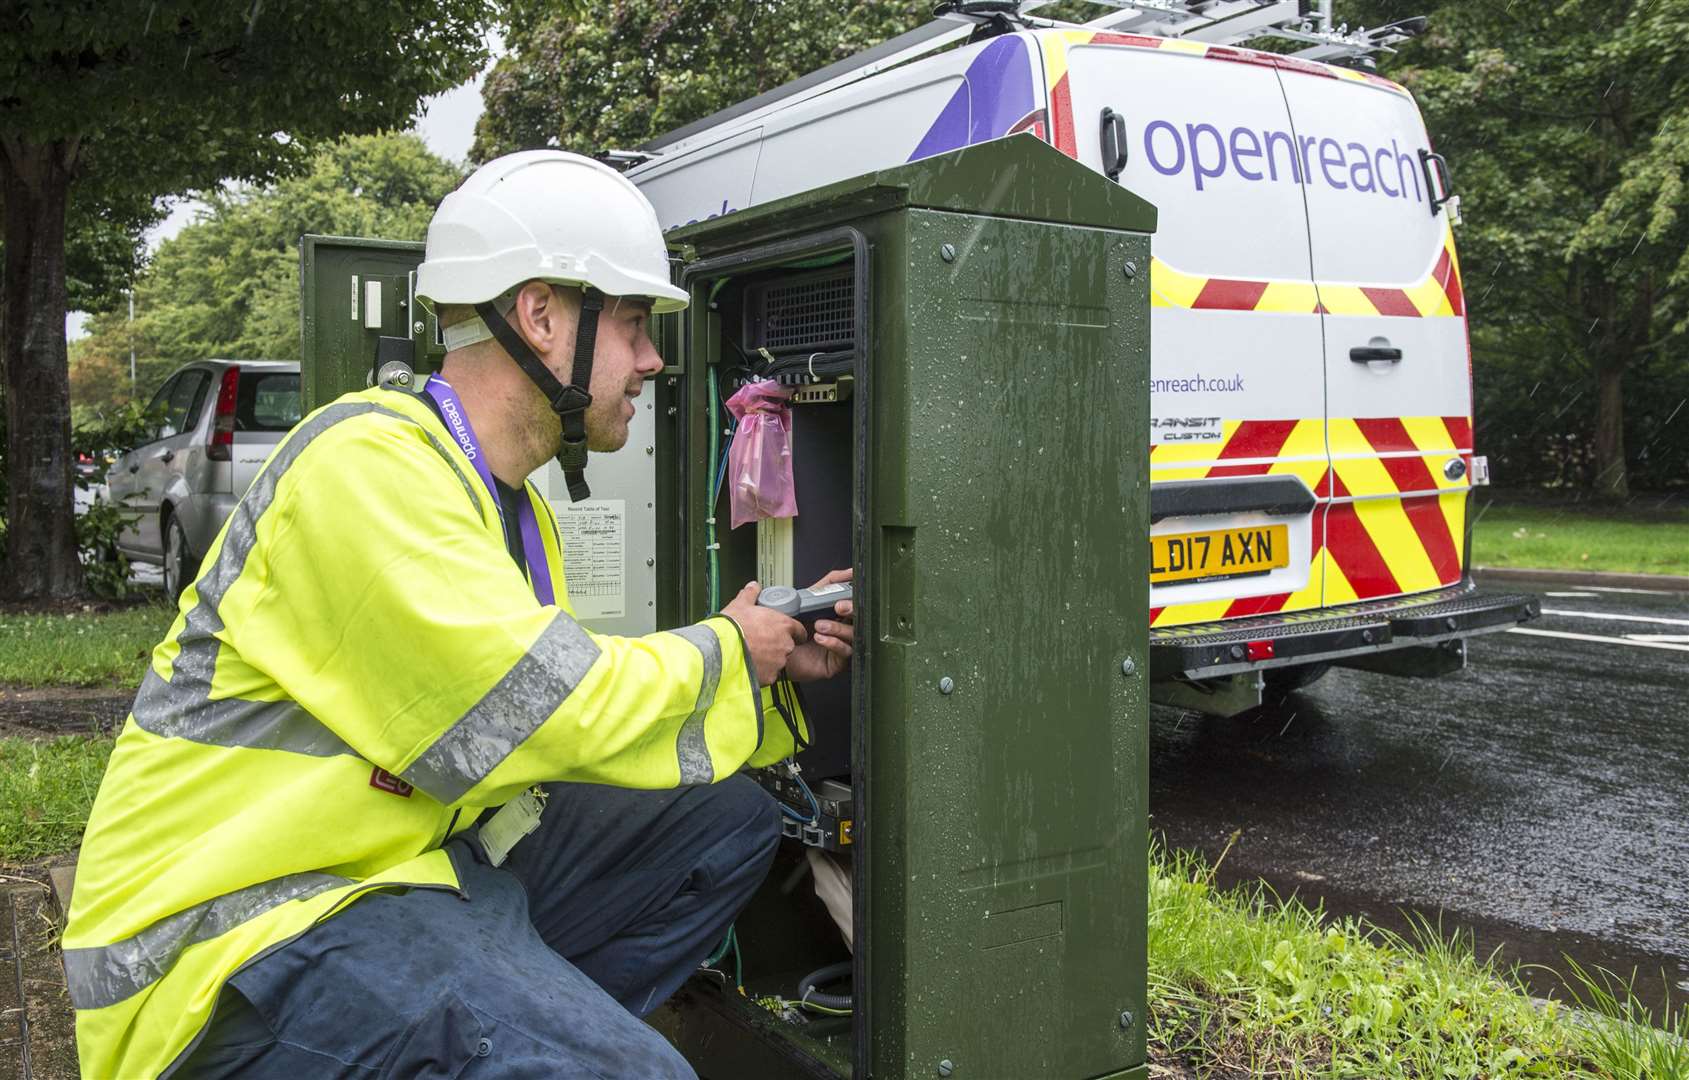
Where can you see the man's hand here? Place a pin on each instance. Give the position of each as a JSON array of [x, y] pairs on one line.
[[769, 636], [828, 653]]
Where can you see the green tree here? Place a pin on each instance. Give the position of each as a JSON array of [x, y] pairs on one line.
[[227, 285], [1568, 127], [609, 76], [156, 98]]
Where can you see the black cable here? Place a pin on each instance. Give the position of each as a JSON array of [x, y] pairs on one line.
[[808, 995], [783, 695]]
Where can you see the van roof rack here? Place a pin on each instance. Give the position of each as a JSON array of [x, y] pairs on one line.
[[1217, 22], [1232, 22]]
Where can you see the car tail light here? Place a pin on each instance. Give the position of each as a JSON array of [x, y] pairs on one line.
[[223, 425]]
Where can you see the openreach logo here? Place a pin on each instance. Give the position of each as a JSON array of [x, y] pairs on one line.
[[1207, 153], [449, 407]]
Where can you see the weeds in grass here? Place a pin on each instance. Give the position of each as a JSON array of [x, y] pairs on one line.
[[81, 648], [46, 792], [1243, 983], [1620, 1033]]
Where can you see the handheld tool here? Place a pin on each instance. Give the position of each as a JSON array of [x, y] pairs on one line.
[[798, 602]]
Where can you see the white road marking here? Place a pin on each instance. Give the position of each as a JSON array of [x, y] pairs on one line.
[[1683, 638], [1642, 592], [1596, 637], [1571, 595], [1616, 618]]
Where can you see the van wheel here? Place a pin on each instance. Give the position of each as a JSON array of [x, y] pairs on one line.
[[1286, 680], [180, 566]]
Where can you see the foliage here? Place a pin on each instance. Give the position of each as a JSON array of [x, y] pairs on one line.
[[1244, 984], [47, 792], [105, 569], [138, 101], [228, 284], [81, 648], [594, 77], [1623, 1036], [1568, 128]]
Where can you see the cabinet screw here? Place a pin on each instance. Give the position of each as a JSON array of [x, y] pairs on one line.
[[1130, 269], [1128, 668], [1126, 1020], [946, 1067], [947, 252], [946, 685], [650, 450], [650, 561], [416, 327]]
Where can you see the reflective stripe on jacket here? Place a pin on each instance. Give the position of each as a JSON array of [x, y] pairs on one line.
[[359, 667]]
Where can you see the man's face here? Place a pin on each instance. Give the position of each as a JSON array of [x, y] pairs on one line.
[[622, 359]]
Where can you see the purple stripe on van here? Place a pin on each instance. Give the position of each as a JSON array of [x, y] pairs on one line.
[[996, 92]]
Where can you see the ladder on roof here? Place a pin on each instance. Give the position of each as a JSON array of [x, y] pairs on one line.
[[1215, 22]]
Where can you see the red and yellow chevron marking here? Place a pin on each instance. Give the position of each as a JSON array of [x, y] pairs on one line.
[[1387, 522], [1436, 295], [1057, 42]]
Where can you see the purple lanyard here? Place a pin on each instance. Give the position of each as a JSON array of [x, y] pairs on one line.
[[538, 569]]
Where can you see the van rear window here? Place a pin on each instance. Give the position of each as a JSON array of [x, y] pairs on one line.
[[267, 401]]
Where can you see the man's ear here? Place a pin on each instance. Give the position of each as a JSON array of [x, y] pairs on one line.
[[535, 315]]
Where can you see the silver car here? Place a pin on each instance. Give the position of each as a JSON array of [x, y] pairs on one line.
[[218, 422]]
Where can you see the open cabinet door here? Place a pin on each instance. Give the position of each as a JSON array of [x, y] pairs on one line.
[[359, 314]]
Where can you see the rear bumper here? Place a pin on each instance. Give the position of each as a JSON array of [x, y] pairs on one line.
[[1213, 650]]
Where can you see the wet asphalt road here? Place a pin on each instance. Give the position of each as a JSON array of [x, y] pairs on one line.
[[1539, 799]]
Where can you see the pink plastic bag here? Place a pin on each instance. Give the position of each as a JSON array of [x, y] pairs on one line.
[[759, 463]]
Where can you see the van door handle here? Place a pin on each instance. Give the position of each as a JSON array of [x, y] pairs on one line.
[[1114, 144], [134, 469], [167, 457], [1444, 181], [1366, 354]]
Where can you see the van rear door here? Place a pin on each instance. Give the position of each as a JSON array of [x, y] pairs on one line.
[[1237, 406], [1397, 374]]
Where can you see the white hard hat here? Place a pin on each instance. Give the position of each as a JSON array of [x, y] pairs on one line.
[[546, 215]]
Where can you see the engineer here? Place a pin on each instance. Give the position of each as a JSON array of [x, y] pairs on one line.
[[374, 810]]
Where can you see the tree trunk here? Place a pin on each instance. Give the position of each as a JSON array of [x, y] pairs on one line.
[[1611, 480], [41, 558]]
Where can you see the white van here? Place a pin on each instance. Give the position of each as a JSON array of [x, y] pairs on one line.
[[1311, 396]]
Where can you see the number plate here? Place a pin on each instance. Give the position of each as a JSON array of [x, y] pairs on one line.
[[1204, 556]]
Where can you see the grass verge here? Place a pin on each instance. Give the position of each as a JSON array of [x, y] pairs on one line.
[[1582, 537], [80, 648], [46, 793], [1243, 984]]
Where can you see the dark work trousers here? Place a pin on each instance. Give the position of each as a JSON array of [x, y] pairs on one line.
[[544, 971]]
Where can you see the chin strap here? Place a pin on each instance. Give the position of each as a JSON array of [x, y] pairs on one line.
[[569, 401]]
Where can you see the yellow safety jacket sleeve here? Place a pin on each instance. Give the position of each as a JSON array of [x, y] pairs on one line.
[[379, 596]]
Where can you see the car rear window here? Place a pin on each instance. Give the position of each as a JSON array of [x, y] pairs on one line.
[[268, 401]]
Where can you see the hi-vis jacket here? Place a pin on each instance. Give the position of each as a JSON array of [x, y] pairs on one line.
[[359, 667]]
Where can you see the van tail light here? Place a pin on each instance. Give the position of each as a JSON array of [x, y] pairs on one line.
[[223, 425]]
